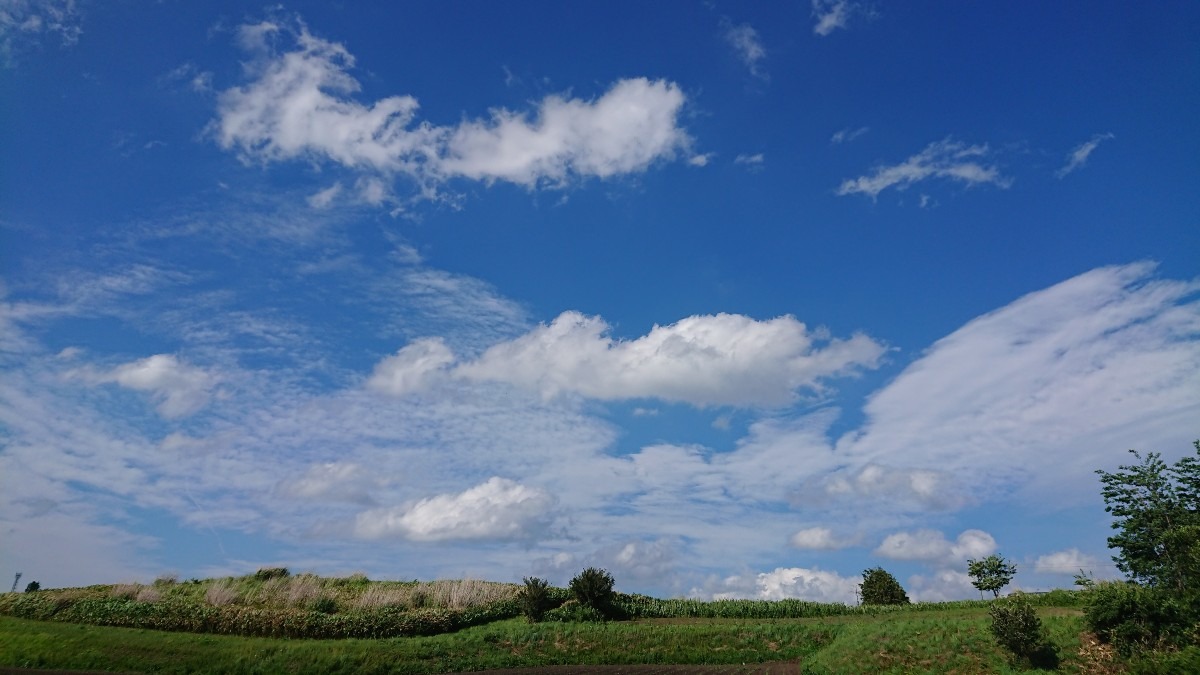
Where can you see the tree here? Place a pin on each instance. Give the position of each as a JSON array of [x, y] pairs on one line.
[[991, 574], [1156, 512], [32, 586], [593, 588], [879, 587]]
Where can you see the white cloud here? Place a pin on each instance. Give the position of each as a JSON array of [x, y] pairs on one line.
[[846, 135], [497, 509], [946, 159], [786, 582], [726, 359], [831, 15], [931, 546], [179, 388], [751, 160], [1078, 157], [299, 105], [944, 585], [820, 539], [700, 160], [322, 199], [746, 42], [23, 22], [339, 481], [1051, 385], [413, 368], [1069, 561]]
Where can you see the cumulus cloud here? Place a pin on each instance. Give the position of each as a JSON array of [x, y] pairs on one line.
[[925, 488], [748, 46], [1069, 561], [941, 586], [413, 368], [497, 509], [946, 159], [821, 539], [179, 388], [1078, 157], [931, 546], [299, 105], [786, 582], [726, 359]]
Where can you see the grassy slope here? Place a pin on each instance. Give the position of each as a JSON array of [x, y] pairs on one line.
[[954, 640]]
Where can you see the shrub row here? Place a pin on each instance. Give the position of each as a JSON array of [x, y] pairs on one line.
[[251, 622]]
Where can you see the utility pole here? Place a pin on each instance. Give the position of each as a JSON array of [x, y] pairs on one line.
[[14, 588]]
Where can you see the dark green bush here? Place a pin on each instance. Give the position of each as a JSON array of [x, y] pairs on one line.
[[32, 586], [325, 605], [1133, 618], [271, 573], [534, 599], [572, 611], [1017, 628], [593, 588]]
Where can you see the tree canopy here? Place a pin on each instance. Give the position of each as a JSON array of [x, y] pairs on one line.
[[991, 573], [1156, 512], [879, 587]]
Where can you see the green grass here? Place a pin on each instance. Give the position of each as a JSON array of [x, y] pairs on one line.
[[952, 640]]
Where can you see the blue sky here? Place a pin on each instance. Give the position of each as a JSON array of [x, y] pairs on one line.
[[733, 301]]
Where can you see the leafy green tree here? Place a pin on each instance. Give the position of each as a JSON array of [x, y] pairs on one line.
[[593, 588], [1156, 512], [991, 573], [879, 587]]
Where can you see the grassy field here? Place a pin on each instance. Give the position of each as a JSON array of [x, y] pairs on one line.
[[953, 640], [269, 623]]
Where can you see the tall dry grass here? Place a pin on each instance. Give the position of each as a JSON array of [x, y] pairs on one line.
[[221, 592]]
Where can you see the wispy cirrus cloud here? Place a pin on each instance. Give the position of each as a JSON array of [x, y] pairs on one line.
[[830, 15], [748, 46], [1078, 157], [848, 134], [299, 104], [23, 23], [946, 159]]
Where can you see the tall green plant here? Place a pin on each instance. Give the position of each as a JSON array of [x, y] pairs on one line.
[[534, 599]]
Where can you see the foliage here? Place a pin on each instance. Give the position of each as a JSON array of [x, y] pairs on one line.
[[534, 599], [32, 586], [1133, 617], [991, 573], [1156, 512], [593, 587], [879, 587], [324, 605], [266, 573], [1018, 629]]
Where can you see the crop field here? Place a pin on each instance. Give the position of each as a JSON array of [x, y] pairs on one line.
[[308, 624]]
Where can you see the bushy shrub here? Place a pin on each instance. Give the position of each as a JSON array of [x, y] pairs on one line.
[[593, 588], [324, 605], [573, 611], [1132, 617], [534, 599], [1017, 627], [271, 573], [32, 586], [879, 587]]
